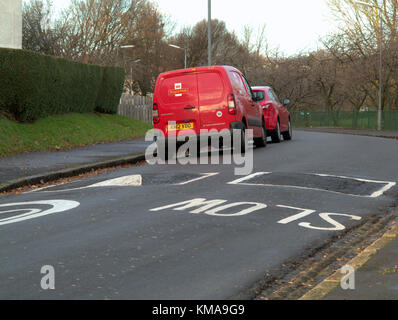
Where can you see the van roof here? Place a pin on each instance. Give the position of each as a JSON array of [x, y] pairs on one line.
[[198, 69]]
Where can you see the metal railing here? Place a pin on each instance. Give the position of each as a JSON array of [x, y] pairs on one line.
[[345, 119]]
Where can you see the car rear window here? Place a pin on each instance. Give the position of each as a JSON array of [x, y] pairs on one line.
[[210, 88], [260, 95]]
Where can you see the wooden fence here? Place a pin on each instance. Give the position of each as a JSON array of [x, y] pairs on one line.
[[136, 107]]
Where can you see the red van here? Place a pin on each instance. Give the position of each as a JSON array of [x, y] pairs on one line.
[[212, 98], [276, 115]]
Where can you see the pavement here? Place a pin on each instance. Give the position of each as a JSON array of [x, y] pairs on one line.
[[27, 165], [370, 133], [109, 237]]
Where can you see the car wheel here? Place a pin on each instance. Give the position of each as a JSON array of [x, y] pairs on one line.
[[261, 142], [288, 135], [276, 135]]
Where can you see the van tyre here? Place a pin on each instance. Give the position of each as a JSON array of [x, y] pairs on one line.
[[242, 137], [261, 142], [276, 135], [288, 135]]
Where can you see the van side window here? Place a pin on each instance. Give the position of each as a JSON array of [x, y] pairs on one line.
[[248, 88], [237, 82]]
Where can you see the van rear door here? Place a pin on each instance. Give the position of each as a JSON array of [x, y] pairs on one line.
[[212, 100], [179, 103]]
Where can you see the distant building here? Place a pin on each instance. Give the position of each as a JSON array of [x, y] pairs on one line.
[[11, 24]]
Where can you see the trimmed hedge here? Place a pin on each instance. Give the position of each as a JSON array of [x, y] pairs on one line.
[[34, 86]]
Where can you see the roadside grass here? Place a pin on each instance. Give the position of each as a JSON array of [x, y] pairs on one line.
[[62, 132]]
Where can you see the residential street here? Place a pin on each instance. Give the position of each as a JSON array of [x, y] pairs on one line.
[[120, 242]]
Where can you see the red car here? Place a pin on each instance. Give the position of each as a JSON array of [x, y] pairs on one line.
[[211, 98], [276, 115]]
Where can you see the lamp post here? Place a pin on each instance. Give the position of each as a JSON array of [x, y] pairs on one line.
[[379, 113], [131, 46], [185, 52], [131, 74], [209, 33]]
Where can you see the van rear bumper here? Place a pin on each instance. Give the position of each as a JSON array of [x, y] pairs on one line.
[[235, 125]]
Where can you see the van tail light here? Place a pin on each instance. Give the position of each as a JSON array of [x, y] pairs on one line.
[[231, 104], [156, 118]]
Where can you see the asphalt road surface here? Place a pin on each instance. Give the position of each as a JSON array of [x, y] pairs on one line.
[[123, 239]]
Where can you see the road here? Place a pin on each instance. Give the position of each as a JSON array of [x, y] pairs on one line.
[[120, 242]]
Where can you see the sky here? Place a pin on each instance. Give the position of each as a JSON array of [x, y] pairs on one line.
[[291, 25]]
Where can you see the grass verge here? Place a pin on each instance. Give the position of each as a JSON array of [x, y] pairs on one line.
[[62, 132]]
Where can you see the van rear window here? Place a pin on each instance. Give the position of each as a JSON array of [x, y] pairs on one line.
[[179, 89], [210, 88]]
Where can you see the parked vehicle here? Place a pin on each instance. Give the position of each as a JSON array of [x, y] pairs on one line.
[[211, 98], [276, 115]]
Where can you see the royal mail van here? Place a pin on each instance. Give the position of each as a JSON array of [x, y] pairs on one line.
[[208, 98]]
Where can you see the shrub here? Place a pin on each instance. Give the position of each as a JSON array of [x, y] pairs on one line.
[[34, 86]]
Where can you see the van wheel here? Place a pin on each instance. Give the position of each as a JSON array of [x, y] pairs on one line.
[[288, 135], [276, 135], [261, 142], [243, 140], [242, 143]]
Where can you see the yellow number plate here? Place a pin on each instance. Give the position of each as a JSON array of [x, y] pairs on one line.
[[180, 126]]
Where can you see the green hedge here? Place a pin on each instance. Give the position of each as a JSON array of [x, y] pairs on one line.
[[34, 86]]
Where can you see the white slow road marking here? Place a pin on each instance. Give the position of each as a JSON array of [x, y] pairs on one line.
[[57, 206], [376, 194]]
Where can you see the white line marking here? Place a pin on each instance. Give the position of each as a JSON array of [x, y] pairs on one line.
[[132, 181], [127, 181], [389, 184], [302, 214], [376, 194], [57, 206], [205, 175], [249, 177]]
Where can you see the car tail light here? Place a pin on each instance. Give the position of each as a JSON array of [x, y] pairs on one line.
[[231, 104], [156, 118]]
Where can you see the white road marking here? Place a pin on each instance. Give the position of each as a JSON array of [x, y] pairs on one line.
[[249, 177], [57, 206], [126, 181], [326, 216], [131, 181], [388, 184], [302, 214], [212, 207], [205, 175], [376, 194]]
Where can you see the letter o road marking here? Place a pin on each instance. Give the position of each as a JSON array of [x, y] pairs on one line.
[[254, 207], [32, 213]]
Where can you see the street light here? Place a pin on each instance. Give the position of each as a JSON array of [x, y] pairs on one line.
[[130, 46], [379, 114], [209, 33], [131, 74], [185, 52]]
